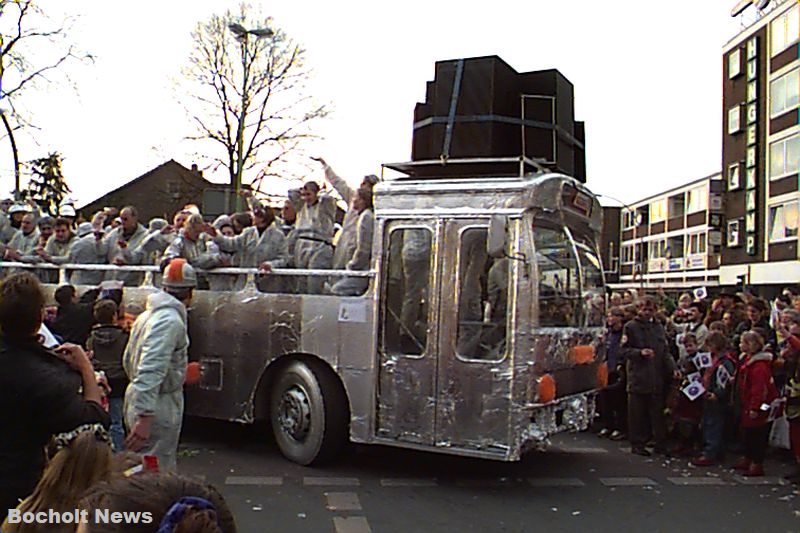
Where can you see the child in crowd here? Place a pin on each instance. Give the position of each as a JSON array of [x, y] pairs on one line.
[[687, 413], [718, 382], [756, 392], [78, 460], [108, 340], [175, 503]]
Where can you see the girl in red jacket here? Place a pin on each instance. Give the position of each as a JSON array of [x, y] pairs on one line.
[[756, 392]]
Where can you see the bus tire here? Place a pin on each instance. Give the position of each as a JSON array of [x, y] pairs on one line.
[[308, 412]]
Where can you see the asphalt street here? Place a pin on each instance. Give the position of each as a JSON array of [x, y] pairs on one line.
[[583, 483]]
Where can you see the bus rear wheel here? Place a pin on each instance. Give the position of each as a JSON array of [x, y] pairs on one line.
[[308, 412]]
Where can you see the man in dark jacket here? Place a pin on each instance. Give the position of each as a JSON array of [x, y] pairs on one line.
[[39, 390], [649, 366]]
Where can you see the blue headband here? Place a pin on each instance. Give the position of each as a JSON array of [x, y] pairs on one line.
[[178, 509]]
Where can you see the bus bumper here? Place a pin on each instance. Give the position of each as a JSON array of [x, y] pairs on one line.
[[570, 413]]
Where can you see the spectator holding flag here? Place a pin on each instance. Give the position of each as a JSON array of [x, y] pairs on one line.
[[717, 381]]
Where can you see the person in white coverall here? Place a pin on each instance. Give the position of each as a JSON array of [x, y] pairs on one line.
[[314, 226], [262, 242], [360, 249], [155, 361], [347, 240]]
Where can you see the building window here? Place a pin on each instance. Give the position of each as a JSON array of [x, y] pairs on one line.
[[628, 219], [784, 157], [783, 221], [696, 244], [658, 249], [675, 247], [785, 30], [658, 211], [734, 233], [734, 64], [735, 119], [784, 93], [697, 200], [627, 254], [734, 176], [677, 206]]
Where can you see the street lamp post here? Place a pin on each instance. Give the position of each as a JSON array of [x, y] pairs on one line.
[[242, 34]]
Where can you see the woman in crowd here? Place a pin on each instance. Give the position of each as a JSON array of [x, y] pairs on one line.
[[39, 390], [174, 503], [79, 460]]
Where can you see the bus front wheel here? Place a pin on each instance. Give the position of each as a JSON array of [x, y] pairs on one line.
[[308, 412]]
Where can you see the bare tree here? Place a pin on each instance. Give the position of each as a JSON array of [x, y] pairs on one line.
[[249, 94], [32, 48]]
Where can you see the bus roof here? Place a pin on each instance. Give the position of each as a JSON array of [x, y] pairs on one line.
[[544, 192]]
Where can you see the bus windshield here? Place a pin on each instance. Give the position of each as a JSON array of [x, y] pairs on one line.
[[571, 290]]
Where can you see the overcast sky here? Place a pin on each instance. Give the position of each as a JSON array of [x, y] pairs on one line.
[[647, 79]]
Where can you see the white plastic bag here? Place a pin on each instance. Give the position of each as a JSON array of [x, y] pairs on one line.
[[779, 434]]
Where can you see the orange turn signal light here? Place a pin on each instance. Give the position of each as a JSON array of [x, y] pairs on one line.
[[546, 388], [194, 372], [583, 354]]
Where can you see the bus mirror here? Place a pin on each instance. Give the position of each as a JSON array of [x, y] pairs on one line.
[[497, 237]]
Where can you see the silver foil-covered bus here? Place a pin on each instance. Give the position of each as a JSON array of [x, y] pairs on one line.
[[479, 333]]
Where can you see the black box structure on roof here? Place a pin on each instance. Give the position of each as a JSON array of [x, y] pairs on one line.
[[482, 117]]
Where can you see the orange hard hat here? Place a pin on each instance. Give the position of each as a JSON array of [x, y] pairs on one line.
[[179, 275]]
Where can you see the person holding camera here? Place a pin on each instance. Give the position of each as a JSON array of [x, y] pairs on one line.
[[39, 389]]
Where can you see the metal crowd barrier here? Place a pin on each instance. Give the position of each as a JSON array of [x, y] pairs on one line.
[[149, 271]]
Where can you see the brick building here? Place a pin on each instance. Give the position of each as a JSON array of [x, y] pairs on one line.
[[157, 193], [761, 149], [671, 240]]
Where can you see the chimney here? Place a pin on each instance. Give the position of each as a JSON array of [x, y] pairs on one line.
[[196, 171]]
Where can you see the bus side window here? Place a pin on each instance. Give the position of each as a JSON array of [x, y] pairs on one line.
[[560, 302], [482, 299], [592, 286], [408, 267]]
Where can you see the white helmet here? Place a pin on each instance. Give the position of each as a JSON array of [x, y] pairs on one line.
[[84, 229], [66, 210], [19, 208]]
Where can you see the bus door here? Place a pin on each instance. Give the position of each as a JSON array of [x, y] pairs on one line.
[[475, 371], [406, 403]]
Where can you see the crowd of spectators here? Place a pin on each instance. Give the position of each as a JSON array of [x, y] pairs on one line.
[[303, 233], [56, 464], [701, 377]]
